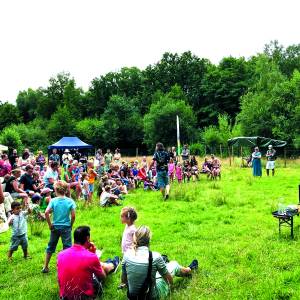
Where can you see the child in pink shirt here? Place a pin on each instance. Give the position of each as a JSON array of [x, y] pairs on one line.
[[179, 173], [128, 217]]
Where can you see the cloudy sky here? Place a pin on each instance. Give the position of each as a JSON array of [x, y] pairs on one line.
[[39, 38]]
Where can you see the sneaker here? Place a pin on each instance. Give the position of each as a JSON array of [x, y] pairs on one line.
[[193, 265], [45, 270], [165, 258], [116, 263]]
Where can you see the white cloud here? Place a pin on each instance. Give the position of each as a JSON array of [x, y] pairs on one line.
[[40, 38]]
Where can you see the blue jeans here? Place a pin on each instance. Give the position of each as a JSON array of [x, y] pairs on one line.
[[56, 233]]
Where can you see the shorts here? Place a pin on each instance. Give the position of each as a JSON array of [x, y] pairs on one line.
[[91, 187], [270, 165], [17, 240], [85, 197], [162, 179], [56, 233]]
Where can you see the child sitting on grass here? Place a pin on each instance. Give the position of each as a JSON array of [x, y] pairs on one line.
[[107, 198], [149, 185], [19, 229], [128, 217], [36, 210]]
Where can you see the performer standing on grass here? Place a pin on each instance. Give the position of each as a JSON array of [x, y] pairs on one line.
[[162, 158], [271, 156]]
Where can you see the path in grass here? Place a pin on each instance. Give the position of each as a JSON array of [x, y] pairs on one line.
[[227, 225]]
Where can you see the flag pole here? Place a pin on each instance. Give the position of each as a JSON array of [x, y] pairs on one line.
[[178, 135]]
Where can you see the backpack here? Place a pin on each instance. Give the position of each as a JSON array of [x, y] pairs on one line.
[[145, 291]]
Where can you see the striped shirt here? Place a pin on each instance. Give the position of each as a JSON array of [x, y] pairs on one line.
[[135, 265]]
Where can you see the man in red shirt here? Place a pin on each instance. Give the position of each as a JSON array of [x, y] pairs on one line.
[[79, 269]]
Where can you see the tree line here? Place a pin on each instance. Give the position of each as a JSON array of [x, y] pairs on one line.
[[133, 107]]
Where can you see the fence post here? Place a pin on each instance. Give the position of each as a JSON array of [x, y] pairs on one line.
[[136, 151], [229, 154], [221, 154], [285, 157]]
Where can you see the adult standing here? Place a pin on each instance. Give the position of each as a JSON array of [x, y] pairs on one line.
[[79, 269], [25, 159], [107, 159], [13, 159], [162, 158], [271, 157], [117, 157], [185, 154], [66, 158], [54, 156], [135, 267], [41, 160], [256, 162]]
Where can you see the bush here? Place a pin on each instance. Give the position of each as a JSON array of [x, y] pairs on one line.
[[11, 138], [197, 149]]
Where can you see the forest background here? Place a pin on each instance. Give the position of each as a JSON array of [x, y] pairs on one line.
[[136, 108]]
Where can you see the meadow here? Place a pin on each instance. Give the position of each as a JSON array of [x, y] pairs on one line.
[[227, 225]]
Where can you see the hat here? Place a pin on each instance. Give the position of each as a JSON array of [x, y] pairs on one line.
[[67, 151], [46, 191], [36, 197], [270, 146]]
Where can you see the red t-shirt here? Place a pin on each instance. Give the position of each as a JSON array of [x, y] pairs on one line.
[[75, 268]]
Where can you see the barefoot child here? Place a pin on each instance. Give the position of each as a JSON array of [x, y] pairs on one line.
[[19, 229], [128, 217]]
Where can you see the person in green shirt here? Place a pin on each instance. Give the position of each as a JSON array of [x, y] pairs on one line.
[[107, 159]]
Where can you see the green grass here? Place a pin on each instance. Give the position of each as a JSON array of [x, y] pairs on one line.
[[226, 224]]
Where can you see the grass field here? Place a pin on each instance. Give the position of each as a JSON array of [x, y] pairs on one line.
[[227, 225]]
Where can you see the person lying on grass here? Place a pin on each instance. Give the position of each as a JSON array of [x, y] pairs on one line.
[[19, 229], [135, 266], [61, 208], [80, 271], [107, 198]]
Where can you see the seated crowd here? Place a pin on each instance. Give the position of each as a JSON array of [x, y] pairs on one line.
[[30, 186]]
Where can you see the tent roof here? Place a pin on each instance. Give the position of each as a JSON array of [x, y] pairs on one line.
[[3, 148], [70, 142], [255, 141]]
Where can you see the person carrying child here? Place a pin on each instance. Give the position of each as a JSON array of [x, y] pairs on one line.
[[61, 208], [19, 229], [128, 217]]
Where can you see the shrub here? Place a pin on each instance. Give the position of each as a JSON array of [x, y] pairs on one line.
[[11, 138], [197, 149]]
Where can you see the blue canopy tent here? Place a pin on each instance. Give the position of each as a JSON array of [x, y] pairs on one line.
[[70, 142]]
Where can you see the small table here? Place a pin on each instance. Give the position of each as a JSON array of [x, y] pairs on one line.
[[286, 219]]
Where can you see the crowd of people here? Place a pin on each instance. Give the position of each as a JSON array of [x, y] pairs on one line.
[[43, 190]]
